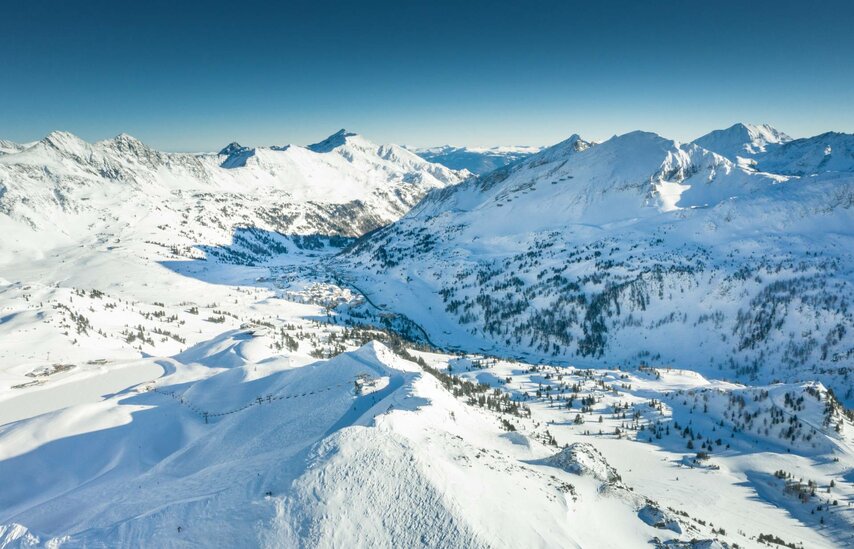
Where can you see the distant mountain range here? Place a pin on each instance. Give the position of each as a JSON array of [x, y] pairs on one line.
[[767, 149], [639, 248], [62, 189], [761, 147]]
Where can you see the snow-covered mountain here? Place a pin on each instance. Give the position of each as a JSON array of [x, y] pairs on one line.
[[478, 160], [8, 147], [743, 140], [769, 150], [639, 249], [828, 152], [187, 358], [62, 190], [118, 207]]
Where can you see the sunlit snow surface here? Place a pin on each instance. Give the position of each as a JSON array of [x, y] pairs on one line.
[[179, 364]]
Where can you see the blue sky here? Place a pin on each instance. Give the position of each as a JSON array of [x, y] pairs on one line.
[[184, 75]]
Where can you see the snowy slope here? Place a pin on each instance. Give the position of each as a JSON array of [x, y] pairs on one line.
[[231, 444], [321, 458], [478, 160], [639, 249]]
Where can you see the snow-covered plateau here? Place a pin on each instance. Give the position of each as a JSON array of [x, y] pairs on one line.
[[633, 343]]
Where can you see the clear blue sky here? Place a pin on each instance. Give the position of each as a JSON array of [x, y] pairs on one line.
[[182, 75]]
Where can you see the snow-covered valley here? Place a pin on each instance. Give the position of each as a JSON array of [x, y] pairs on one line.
[[638, 250], [628, 344]]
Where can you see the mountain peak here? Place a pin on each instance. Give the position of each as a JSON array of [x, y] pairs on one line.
[[742, 140], [572, 139], [237, 155], [7, 147], [337, 139], [572, 144], [232, 148], [764, 132], [639, 136], [827, 152], [125, 137], [59, 137], [126, 144], [63, 141], [126, 140]]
